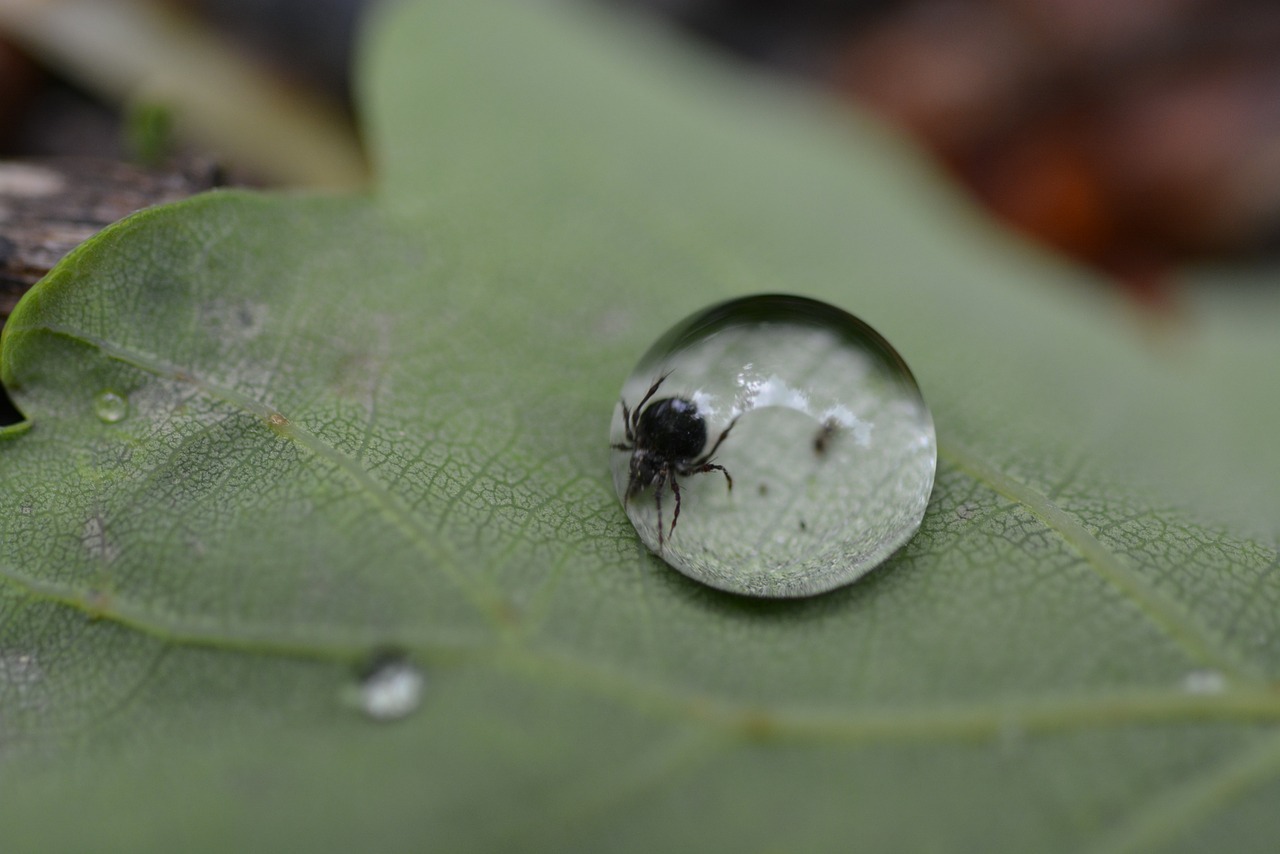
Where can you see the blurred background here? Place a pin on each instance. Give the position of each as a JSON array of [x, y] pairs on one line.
[[1135, 137]]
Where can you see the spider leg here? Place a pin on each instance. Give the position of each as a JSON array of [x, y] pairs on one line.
[[711, 453], [648, 394], [675, 517], [626, 425], [706, 467], [657, 500]]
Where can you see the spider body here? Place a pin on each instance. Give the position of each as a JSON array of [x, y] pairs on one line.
[[666, 439]]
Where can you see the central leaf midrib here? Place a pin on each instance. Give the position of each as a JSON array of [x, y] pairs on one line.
[[931, 721]]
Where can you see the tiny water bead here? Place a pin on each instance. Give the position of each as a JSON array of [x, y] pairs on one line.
[[1204, 682], [773, 446], [390, 687], [110, 406]]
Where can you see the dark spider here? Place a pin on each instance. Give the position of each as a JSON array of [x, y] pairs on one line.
[[666, 441]]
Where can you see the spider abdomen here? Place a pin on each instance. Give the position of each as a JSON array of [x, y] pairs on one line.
[[672, 430]]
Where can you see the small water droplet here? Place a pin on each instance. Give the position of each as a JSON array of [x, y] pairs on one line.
[[390, 688], [1204, 682], [110, 406], [783, 391]]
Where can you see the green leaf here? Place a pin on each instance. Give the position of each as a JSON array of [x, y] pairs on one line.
[[381, 422]]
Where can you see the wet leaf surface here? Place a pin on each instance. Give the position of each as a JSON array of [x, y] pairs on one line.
[[381, 423]]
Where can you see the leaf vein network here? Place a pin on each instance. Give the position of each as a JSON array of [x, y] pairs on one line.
[[478, 591], [1205, 647]]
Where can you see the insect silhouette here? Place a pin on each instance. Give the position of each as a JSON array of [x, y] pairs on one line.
[[666, 439], [825, 436]]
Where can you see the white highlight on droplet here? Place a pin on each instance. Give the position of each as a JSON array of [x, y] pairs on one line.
[[391, 691], [1204, 682]]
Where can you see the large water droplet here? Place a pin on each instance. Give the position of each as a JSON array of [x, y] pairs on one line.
[[832, 450], [110, 406], [390, 688]]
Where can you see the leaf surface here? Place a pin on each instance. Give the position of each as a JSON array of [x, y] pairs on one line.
[[382, 422]]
